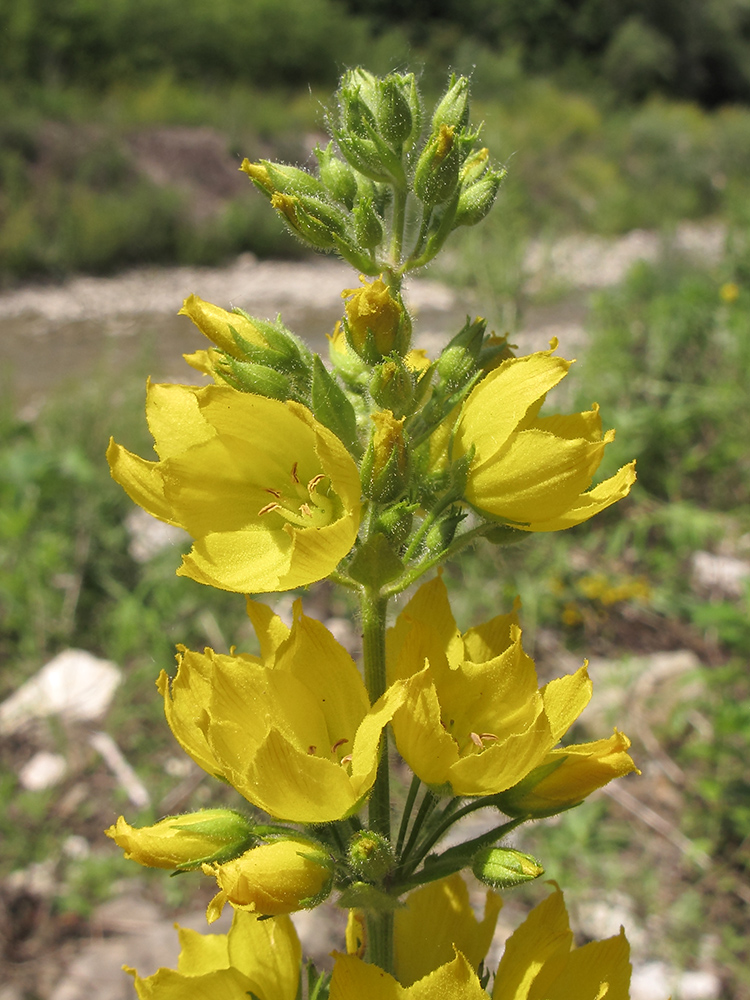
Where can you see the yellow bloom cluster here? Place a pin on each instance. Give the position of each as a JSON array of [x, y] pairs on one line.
[[371, 472], [439, 947]]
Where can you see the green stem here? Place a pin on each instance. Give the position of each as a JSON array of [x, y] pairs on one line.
[[380, 938], [399, 222], [373, 606], [406, 815], [373, 648], [428, 804]]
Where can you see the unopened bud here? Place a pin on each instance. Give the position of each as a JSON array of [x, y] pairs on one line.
[[504, 868], [370, 856], [368, 227], [336, 175], [187, 841], [393, 112], [392, 386], [453, 107], [436, 174], [384, 470], [458, 360], [376, 323], [475, 201], [217, 324]]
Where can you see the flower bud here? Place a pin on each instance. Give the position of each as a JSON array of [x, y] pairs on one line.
[[249, 376], [458, 360], [370, 856], [259, 176], [184, 842], [336, 175], [567, 776], [436, 173], [474, 166], [367, 225], [305, 224], [217, 324], [392, 386], [384, 471], [376, 323], [278, 877], [475, 201], [393, 112], [453, 107], [292, 180], [503, 868], [395, 521]]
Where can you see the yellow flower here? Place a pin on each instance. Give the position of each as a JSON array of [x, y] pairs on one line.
[[276, 878], [354, 979], [473, 718], [271, 497], [257, 957], [215, 322], [567, 775], [184, 841], [373, 313], [293, 730], [538, 963], [533, 471], [437, 920]]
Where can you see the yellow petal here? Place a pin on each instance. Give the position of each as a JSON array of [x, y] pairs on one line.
[[495, 408], [541, 942], [268, 952], [437, 920], [201, 953], [422, 741], [142, 481], [599, 498], [564, 700], [539, 477], [215, 322], [166, 984], [185, 704], [597, 970]]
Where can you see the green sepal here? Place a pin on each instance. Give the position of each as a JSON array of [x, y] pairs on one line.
[[337, 176], [453, 107], [332, 407], [248, 376], [363, 896], [504, 534], [292, 180], [367, 225], [375, 562], [393, 112]]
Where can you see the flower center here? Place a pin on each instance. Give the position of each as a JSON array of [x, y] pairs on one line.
[[300, 505]]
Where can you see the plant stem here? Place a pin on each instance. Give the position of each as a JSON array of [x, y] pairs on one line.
[[406, 815], [398, 223], [373, 606]]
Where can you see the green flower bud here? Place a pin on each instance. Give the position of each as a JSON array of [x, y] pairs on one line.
[[370, 856], [395, 521], [453, 108], [475, 201], [385, 466], [503, 868], [474, 166], [376, 323], [187, 841], [337, 176], [392, 386], [443, 531], [292, 180], [363, 155], [436, 174], [367, 225], [249, 376], [259, 176], [393, 112], [309, 229], [458, 360]]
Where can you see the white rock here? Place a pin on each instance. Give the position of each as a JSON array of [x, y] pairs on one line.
[[44, 770], [698, 986], [74, 685], [721, 574], [149, 536], [652, 981]]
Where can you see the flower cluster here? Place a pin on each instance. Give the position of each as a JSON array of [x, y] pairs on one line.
[[372, 471]]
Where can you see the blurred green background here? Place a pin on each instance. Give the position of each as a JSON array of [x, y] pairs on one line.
[[612, 116]]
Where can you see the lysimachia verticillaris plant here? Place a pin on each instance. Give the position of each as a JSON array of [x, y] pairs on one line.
[[371, 471]]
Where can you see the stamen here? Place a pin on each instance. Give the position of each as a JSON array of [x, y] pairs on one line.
[[268, 508], [314, 482], [295, 477], [311, 750], [339, 743], [346, 760], [305, 509], [476, 739], [487, 736], [274, 493]]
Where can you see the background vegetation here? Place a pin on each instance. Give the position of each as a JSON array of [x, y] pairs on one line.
[[121, 127]]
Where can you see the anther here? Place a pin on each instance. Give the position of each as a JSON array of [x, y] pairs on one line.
[[269, 507], [339, 743], [295, 477], [311, 750]]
